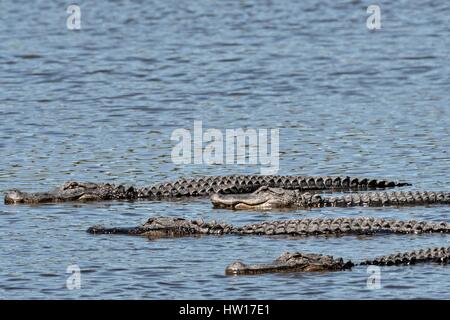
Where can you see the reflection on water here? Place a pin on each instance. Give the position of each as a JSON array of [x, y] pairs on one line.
[[100, 104]]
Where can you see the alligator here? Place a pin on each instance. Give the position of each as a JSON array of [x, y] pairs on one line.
[[291, 262], [266, 198], [197, 187], [164, 226], [310, 262]]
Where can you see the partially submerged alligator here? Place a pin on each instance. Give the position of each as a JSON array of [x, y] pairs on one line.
[[303, 262], [160, 227], [266, 198], [198, 187], [291, 262]]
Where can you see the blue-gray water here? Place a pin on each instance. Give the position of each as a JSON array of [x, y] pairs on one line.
[[100, 104]]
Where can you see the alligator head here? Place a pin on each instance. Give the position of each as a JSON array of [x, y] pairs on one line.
[[291, 262], [71, 191], [265, 198], [154, 226], [161, 227]]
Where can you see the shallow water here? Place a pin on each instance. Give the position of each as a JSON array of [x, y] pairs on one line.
[[100, 104]]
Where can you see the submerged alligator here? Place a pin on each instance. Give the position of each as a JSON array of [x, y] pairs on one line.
[[266, 198], [309, 262], [160, 227], [198, 187]]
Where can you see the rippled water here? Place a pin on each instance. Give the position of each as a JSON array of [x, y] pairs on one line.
[[100, 104]]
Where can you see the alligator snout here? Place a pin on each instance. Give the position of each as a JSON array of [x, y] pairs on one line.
[[237, 201], [237, 268], [15, 196], [124, 230]]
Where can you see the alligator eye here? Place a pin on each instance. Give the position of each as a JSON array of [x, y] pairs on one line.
[[70, 185]]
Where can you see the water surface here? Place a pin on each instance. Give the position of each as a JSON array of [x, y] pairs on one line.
[[100, 104]]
